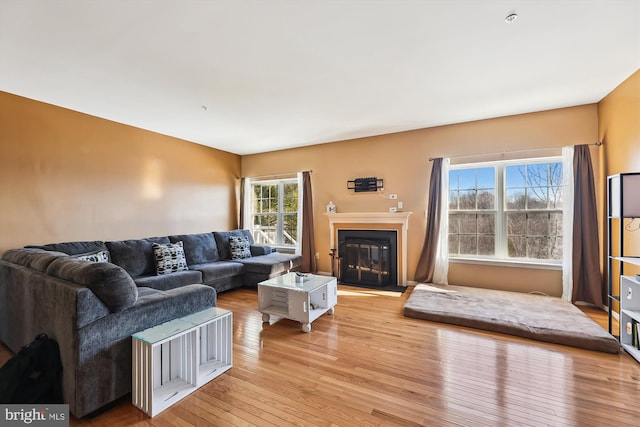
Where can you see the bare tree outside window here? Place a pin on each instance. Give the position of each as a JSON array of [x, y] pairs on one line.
[[472, 216], [530, 218], [534, 210]]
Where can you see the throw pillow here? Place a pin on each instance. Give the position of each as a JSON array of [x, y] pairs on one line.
[[240, 247], [97, 256], [169, 258]]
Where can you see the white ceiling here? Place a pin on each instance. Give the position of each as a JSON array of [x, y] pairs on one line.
[[253, 76]]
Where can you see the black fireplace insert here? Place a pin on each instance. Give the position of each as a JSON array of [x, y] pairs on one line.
[[367, 257]]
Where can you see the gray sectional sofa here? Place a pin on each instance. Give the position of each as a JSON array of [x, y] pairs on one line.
[[91, 296]]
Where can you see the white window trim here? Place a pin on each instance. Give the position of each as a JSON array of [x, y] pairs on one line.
[[249, 207], [298, 246], [517, 263], [501, 258]]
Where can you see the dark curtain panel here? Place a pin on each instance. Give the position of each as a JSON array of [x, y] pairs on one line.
[[427, 260], [309, 264], [242, 203], [587, 278]]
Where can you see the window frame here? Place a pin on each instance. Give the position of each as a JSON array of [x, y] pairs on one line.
[[501, 255], [280, 213]]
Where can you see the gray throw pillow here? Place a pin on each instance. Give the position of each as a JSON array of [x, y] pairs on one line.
[[97, 256], [169, 258], [240, 247]]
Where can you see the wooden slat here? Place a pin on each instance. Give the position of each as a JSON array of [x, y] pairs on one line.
[[367, 365]]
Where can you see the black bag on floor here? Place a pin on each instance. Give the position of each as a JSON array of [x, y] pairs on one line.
[[34, 375]]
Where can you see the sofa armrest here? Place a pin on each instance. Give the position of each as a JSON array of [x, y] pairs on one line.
[[257, 250], [109, 282]]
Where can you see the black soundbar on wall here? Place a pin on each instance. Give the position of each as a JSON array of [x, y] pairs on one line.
[[365, 184]]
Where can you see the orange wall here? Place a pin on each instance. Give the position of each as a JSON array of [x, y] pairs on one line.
[[619, 126], [402, 160], [68, 176], [619, 129]]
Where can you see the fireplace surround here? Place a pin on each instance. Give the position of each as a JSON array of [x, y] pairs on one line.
[[389, 221]]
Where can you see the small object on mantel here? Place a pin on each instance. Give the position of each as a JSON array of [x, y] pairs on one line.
[[331, 208]]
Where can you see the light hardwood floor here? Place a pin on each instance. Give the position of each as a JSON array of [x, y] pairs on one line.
[[368, 365]]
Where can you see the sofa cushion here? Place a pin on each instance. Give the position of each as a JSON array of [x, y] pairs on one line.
[[73, 248], [97, 256], [135, 256], [261, 250], [170, 281], [41, 261], [213, 271], [38, 259], [169, 258], [198, 248], [239, 247], [274, 263], [21, 256], [192, 298], [110, 283], [222, 241]]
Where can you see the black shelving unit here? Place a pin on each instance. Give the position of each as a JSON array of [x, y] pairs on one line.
[[623, 202]]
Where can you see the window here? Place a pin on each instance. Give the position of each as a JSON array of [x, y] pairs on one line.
[[506, 210], [274, 212]]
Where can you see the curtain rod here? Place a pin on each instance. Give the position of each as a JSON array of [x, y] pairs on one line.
[[276, 175], [597, 144]]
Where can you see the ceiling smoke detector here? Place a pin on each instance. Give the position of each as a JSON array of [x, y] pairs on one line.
[[510, 18]]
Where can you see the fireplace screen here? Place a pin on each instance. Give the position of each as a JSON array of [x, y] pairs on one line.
[[366, 260]]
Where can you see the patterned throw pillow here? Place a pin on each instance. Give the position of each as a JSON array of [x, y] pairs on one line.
[[97, 256], [169, 258], [240, 247]]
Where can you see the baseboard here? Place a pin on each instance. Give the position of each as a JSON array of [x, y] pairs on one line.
[[410, 283]]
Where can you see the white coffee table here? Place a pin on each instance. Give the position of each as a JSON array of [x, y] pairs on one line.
[[300, 299]]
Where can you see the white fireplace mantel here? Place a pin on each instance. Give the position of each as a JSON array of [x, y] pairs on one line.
[[350, 220]]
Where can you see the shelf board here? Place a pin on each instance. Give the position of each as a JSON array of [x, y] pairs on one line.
[[633, 352], [275, 310], [635, 315], [213, 368], [172, 391], [628, 259]]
